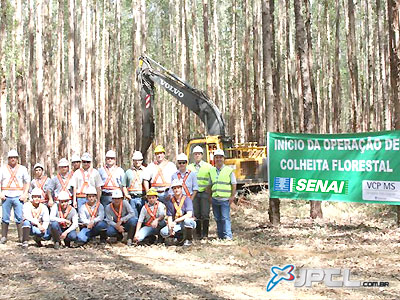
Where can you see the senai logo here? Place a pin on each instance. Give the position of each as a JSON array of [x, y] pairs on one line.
[[306, 277], [326, 186]]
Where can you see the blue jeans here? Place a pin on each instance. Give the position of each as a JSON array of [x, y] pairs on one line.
[[187, 223], [86, 234], [130, 224], [12, 202], [35, 231], [137, 204], [105, 200], [222, 215], [146, 231], [54, 225], [81, 201]]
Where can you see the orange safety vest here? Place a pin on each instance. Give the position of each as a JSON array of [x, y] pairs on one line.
[[64, 184], [94, 212], [85, 184], [132, 187], [152, 214], [161, 175], [64, 216], [13, 178], [114, 186], [118, 215], [40, 184], [184, 183], [178, 208], [36, 211]]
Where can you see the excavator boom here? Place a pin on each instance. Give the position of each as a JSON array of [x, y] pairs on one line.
[[151, 72]]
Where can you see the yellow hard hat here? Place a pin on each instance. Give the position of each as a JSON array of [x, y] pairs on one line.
[[159, 149], [152, 192]]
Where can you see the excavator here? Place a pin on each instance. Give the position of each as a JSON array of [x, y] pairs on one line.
[[247, 159]]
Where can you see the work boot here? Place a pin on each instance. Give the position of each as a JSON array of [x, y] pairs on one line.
[[67, 243], [56, 245], [19, 230], [119, 237], [25, 236], [206, 224], [198, 229], [188, 237], [131, 232], [4, 232], [129, 242], [103, 237], [38, 240]]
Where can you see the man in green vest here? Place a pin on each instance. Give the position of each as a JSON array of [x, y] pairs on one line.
[[201, 204], [223, 189]]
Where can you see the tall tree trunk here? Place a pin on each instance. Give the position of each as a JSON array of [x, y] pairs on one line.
[[302, 54], [21, 98], [394, 58], [74, 109], [352, 63], [246, 103], [274, 203], [256, 74], [207, 47], [232, 74], [336, 78]]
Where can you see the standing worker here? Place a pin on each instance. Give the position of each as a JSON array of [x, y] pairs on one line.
[[132, 183], [158, 174], [201, 204], [111, 175], [41, 181], [83, 178], [60, 182], [188, 178], [14, 186], [223, 189]]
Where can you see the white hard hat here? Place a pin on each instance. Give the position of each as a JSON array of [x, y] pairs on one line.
[[111, 153], [63, 162], [38, 165], [12, 153], [36, 192], [63, 195], [75, 157], [86, 157], [182, 157], [197, 149], [219, 152], [91, 190], [117, 194], [176, 182], [137, 155]]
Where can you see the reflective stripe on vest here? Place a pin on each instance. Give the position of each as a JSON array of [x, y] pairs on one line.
[[110, 178], [85, 184], [202, 176], [136, 185], [14, 179], [40, 184], [184, 186], [152, 214], [221, 184], [160, 174]]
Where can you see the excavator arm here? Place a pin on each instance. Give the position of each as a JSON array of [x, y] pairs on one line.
[[151, 72]]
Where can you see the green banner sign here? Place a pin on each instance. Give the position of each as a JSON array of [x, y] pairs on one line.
[[362, 167]]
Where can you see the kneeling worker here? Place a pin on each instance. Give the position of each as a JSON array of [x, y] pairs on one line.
[[63, 221], [151, 216], [91, 216], [36, 219], [180, 215], [120, 217]]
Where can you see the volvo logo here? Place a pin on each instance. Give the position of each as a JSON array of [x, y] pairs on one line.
[[172, 89]]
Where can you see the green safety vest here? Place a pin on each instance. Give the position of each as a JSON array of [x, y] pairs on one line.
[[202, 176], [221, 184]]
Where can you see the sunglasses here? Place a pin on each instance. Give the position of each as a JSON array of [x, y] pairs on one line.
[[110, 157], [182, 162], [85, 162]]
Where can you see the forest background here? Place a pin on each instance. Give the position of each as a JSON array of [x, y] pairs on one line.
[[68, 81]]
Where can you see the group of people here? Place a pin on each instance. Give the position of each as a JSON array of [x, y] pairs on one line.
[[161, 202]]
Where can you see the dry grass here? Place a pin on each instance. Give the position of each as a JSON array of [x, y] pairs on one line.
[[363, 238]]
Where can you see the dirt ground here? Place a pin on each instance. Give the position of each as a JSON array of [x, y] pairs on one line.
[[362, 238]]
